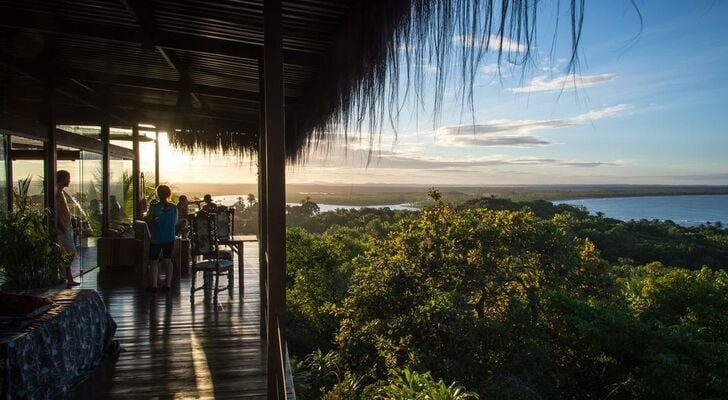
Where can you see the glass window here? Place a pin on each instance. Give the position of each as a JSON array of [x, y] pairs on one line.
[[147, 155], [121, 137], [83, 196], [90, 131], [28, 173], [121, 194]]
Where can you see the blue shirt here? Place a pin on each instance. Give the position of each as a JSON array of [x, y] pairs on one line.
[[162, 222]]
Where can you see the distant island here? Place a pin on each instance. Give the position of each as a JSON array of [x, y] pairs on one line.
[[375, 194]]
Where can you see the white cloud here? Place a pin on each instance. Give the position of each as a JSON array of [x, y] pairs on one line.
[[543, 84], [429, 68], [517, 133], [489, 68], [493, 42], [412, 160]]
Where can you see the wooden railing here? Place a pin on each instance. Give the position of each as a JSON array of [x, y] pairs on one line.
[[284, 376]]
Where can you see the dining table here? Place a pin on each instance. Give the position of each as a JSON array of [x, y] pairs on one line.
[[237, 245]]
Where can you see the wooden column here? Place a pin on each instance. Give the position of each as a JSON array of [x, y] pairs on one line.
[[9, 193], [275, 167], [262, 207], [105, 175], [135, 170], [50, 158], [156, 159]]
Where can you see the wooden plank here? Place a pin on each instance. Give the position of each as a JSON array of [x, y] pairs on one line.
[[174, 348], [105, 176], [50, 158], [9, 193], [136, 170]]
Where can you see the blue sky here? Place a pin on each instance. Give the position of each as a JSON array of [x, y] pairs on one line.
[[644, 107]]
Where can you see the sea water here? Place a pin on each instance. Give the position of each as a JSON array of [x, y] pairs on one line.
[[688, 210]]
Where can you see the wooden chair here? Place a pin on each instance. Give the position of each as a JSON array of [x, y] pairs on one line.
[[225, 225], [205, 243]]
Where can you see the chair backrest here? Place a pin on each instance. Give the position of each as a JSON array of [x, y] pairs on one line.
[[204, 234], [224, 222]]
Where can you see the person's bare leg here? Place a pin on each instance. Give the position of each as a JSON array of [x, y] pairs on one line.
[[153, 273], [168, 270]]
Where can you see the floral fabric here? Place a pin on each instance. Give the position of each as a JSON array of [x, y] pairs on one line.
[[56, 350]]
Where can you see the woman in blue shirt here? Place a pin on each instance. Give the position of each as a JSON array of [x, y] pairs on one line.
[[162, 217]]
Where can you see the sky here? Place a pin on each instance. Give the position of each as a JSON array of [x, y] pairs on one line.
[[645, 106]]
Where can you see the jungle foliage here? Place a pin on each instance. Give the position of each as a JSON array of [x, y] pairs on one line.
[[505, 300]]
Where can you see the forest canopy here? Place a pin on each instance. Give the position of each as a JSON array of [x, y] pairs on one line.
[[499, 299]]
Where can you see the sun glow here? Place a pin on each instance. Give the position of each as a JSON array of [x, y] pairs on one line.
[[177, 166]]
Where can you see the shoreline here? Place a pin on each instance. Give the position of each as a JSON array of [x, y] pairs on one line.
[[374, 195]]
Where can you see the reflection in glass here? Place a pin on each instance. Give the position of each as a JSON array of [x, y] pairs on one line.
[[83, 196]]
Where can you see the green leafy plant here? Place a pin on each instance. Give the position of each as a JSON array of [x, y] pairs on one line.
[[21, 196], [411, 385], [30, 258]]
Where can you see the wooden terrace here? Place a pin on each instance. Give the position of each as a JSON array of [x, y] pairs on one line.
[[175, 348]]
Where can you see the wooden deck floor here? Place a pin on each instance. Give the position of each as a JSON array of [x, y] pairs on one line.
[[174, 349]]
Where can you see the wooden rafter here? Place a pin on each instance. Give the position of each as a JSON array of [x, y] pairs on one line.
[[168, 40], [143, 12]]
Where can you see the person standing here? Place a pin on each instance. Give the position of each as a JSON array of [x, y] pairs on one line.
[[64, 228], [162, 218]]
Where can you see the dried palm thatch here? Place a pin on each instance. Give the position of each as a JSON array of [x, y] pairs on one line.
[[215, 141], [377, 60], [375, 64]]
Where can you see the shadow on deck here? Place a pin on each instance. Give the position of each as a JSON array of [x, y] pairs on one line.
[[173, 348]]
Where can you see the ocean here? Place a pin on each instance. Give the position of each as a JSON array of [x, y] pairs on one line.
[[688, 210]]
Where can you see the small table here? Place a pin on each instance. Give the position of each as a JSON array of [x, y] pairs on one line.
[[237, 244]]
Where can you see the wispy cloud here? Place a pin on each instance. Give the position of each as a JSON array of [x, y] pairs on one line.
[[516, 133], [493, 42], [402, 160], [543, 84], [414, 161]]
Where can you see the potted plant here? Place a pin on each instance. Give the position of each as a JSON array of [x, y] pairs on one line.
[[30, 256]]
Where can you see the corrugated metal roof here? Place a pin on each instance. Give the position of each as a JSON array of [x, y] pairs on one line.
[[209, 45]]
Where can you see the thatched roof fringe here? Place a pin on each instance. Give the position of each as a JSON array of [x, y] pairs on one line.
[[212, 141], [384, 43]]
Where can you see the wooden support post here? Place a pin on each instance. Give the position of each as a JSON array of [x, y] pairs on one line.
[[135, 170], [276, 193], [262, 207], [156, 159], [9, 174], [50, 159], [105, 176]]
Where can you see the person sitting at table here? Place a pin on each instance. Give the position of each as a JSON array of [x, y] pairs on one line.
[[162, 217], [208, 205], [182, 227]]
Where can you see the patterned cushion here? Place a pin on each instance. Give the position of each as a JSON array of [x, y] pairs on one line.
[[225, 265], [22, 306]]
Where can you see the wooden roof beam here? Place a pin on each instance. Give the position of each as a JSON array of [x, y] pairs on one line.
[[159, 84], [143, 12]]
